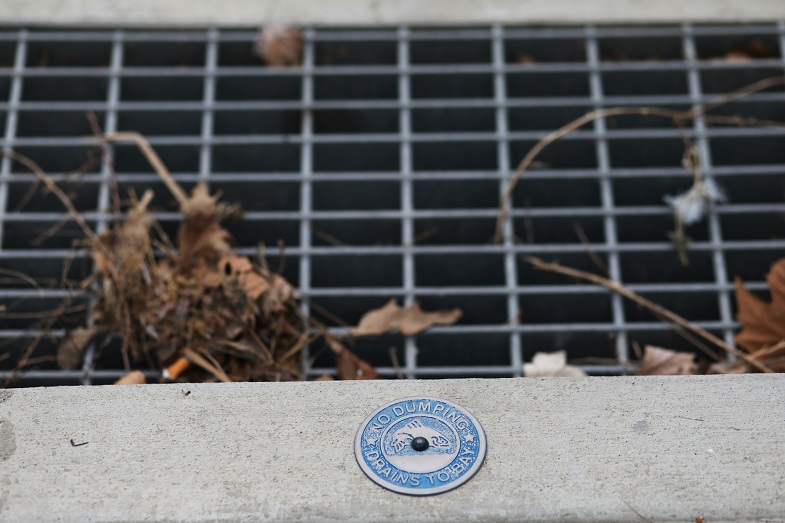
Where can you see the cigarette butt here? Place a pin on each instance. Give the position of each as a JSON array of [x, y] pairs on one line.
[[175, 369], [135, 377]]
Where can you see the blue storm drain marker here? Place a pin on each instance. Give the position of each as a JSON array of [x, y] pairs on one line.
[[420, 446]]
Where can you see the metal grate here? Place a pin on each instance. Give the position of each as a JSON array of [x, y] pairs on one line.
[[380, 163]]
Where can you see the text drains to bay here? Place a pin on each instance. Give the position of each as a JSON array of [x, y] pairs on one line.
[[420, 446]]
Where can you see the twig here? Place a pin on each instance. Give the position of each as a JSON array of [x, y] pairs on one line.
[[396, 364], [281, 257], [687, 336], [107, 159], [154, 160], [89, 164], [54, 189], [589, 249], [424, 235], [559, 133], [44, 327], [327, 237], [305, 339], [22, 276], [640, 300], [528, 223], [677, 116]]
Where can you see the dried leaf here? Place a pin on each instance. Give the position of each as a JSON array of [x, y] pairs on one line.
[[238, 267], [72, 347], [409, 320], [665, 362], [201, 237], [128, 244], [280, 45], [348, 365], [551, 364], [135, 377], [763, 324], [752, 49], [729, 367]]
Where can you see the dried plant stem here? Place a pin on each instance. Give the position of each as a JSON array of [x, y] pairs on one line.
[[54, 189], [22, 276], [395, 363], [72, 211], [651, 306], [589, 249], [679, 117], [107, 159], [154, 160]]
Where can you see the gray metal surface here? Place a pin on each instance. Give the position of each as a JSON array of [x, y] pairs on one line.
[[559, 449], [379, 163]]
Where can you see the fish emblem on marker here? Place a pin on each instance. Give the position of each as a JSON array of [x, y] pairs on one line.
[[420, 446], [403, 437]]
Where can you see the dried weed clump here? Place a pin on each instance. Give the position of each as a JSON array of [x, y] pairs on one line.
[[193, 306], [198, 301]]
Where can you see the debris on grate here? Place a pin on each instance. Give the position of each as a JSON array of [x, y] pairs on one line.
[[200, 306], [763, 324], [200, 312], [280, 45]]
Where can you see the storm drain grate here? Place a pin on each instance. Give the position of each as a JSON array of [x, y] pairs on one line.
[[380, 162]]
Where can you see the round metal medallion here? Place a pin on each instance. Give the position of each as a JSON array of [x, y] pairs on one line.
[[420, 446]]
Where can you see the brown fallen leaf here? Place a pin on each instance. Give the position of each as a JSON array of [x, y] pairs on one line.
[[552, 364], [409, 320], [666, 362], [241, 268], [754, 49], [280, 45], [135, 377], [729, 367], [348, 365], [763, 323], [129, 243]]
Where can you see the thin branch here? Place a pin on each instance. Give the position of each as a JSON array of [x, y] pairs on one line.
[[154, 160], [54, 189], [677, 116], [396, 364], [589, 249], [640, 300], [109, 165]]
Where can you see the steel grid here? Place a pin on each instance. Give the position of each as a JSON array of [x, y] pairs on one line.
[[380, 163]]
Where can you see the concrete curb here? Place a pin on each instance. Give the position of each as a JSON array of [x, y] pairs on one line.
[[254, 13], [559, 449]]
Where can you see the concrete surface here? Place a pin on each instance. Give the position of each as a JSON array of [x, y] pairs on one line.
[[253, 13], [559, 449]]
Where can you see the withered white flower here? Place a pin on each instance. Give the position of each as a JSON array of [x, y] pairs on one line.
[[691, 206]]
